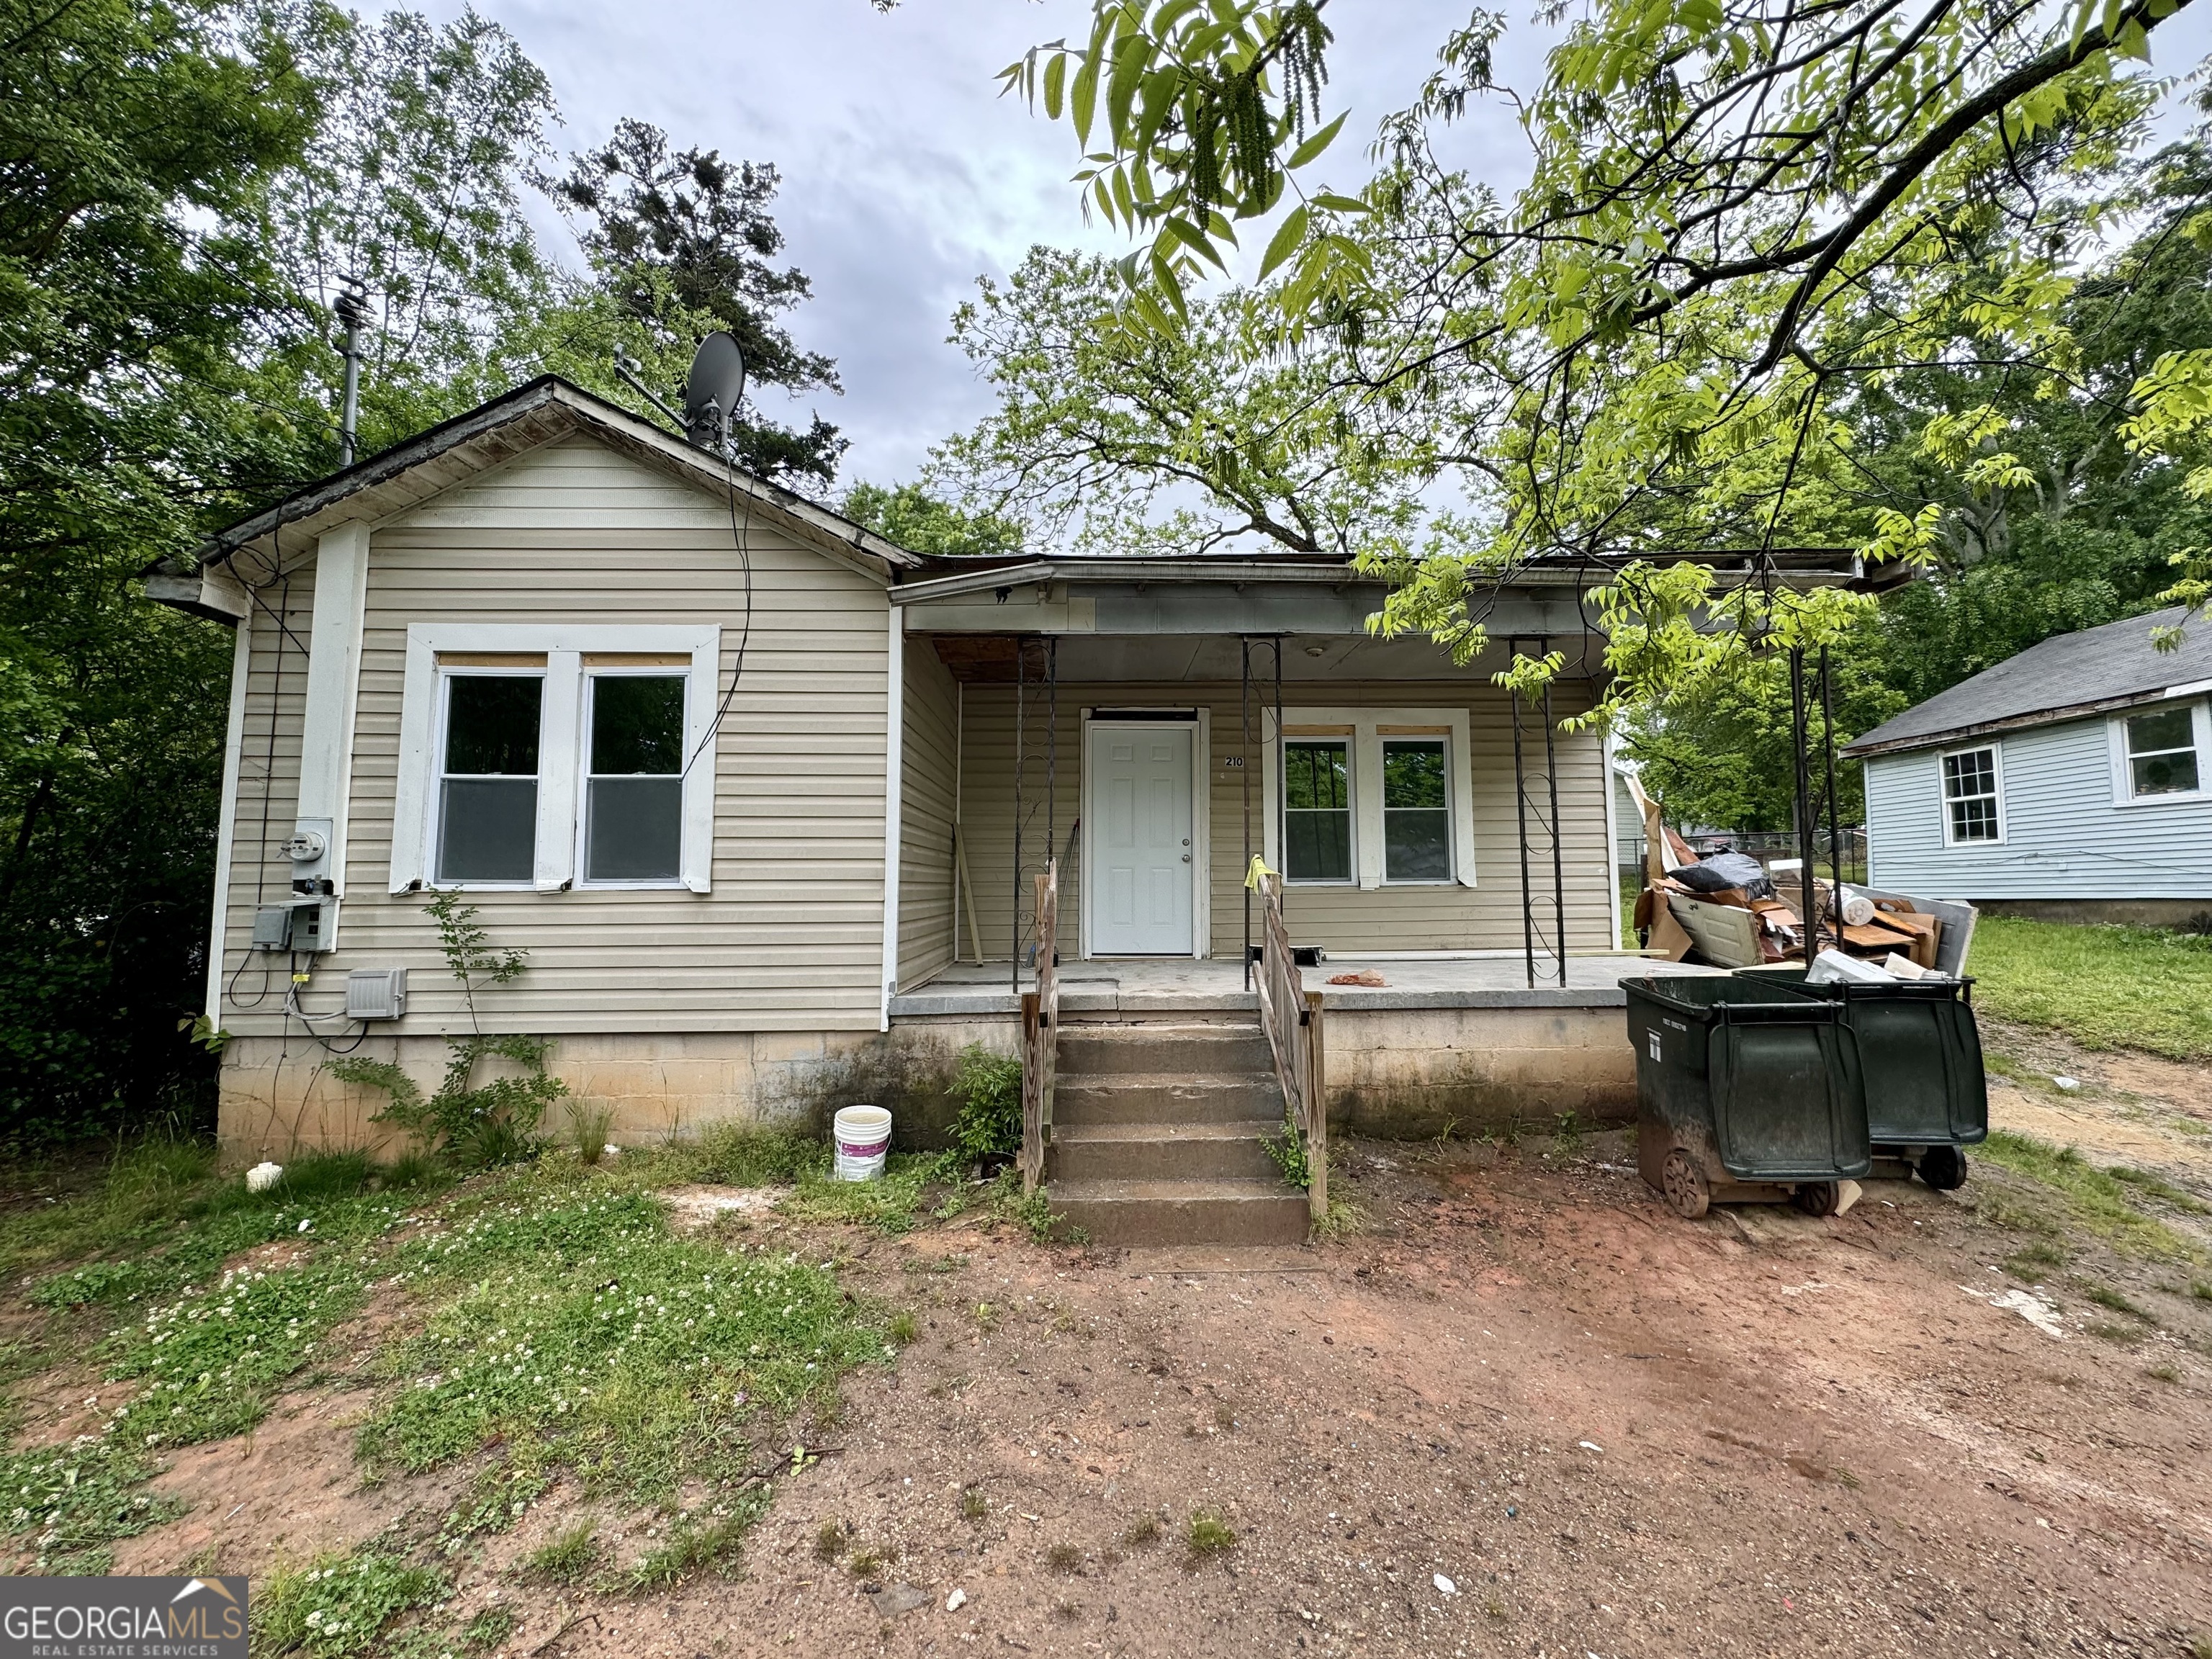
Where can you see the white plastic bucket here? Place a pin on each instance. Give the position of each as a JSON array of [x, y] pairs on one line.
[[860, 1135]]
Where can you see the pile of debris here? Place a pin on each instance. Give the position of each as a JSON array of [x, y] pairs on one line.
[[1729, 910]]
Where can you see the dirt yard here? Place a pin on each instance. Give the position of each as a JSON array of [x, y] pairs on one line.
[[1526, 1411]]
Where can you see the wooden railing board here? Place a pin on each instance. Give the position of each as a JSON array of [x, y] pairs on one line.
[[1040, 1032], [1291, 1017]]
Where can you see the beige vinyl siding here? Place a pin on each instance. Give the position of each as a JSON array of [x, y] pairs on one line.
[[1487, 916], [791, 936], [930, 769], [268, 790]]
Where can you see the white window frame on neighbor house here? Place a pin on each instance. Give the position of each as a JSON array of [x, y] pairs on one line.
[[1367, 729], [2123, 777], [1995, 751], [562, 756]]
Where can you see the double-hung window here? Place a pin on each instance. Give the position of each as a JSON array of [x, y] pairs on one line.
[[1372, 797], [557, 755], [1317, 809], [1416, 838], [1972, 803], [2161, 753], [633, 789], [487, 802]]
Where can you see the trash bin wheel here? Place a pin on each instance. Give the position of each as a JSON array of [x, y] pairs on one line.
[[1688, 1195], [1943, 1168], [1817, 1197]]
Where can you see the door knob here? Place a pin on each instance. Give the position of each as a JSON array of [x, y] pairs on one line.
[[1186, 858]]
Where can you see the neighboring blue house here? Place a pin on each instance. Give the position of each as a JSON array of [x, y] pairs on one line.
[[2072, 781]]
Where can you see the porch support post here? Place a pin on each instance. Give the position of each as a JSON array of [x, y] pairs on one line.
[[1828, 752], [1245, 738], [1558, 872], [894, 808], [1021, 698], [1521, 822], [1283, 789], [1800, 736]]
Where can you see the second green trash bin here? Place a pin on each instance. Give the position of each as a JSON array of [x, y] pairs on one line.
[[1746, 1090]]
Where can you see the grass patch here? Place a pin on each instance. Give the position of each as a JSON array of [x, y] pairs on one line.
[[1142, 1532], [2098, 1200], [1064, 1558], [1209, 1535], [2033, 1263], [631, 1357], [566, 1558], [337, 1604], [2104, 986], [2105, 1297], [696, 1542], [973, 1506], [70, 1502]]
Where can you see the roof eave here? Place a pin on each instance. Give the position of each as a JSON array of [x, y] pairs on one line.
[[1864, 750]]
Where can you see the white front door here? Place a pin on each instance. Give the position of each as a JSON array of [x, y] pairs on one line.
[[1141, 859]]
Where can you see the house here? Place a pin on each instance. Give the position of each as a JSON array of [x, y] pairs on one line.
[[2067, 782], [762, 796]]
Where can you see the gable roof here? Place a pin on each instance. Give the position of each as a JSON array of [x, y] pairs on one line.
[[533, 414], [2068, 677]]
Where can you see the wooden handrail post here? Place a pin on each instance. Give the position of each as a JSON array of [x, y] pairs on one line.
[[1316, 1127]]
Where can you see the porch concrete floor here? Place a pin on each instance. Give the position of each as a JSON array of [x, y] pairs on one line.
[[1167, 985]]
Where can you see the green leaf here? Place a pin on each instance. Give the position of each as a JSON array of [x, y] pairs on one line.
[[1055, 83], [1191, 238], [1321, 140], [1284, 242], [1330, 199], [1083, 98]]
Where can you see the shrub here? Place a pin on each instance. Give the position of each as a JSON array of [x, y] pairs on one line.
[[989, 1090]]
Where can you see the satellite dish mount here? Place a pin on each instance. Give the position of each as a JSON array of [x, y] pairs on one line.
[[713, 391]]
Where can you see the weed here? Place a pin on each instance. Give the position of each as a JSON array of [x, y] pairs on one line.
[[973, 1506], [2099, 1201], [2104, 1297], [1064, 1558], [490, 1627], [887, 1205], [866, 1564], [2126, 1335], [2200, 1290], [2163, 1373], [338, 1603], [905, 1330], [1494, 1609], [1067, 1611], [988, 1087], [1142, 1531], [739, 1155], [629, 1354], [566, 1558], [1033, 1212], [1566, 1136], [691, 1546], [588, 1129], [1345, 1220], [2200, 1647], [1225, 1418], [77, 1499], [2033, 1263], [1289, 1153], [2165, 1192], [1209, 1535], [829, 1540], [986, 1316]]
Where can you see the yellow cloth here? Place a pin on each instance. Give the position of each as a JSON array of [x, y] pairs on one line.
[[1259, 869]]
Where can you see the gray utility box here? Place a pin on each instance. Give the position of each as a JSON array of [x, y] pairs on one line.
[[376, 994], [300, 926]]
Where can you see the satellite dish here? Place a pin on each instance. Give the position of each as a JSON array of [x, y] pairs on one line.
[[711, 391]]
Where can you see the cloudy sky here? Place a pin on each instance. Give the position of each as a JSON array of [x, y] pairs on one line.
[[906, 176]]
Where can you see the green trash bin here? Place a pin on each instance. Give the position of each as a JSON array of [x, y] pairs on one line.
[[1920, 1059], [1747, 1091]]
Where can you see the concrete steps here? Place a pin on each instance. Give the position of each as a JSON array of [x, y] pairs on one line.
[[1157, 1132]]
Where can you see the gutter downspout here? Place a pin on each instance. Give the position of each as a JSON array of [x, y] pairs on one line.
[[894, 803]]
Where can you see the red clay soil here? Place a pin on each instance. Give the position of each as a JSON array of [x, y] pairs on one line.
[[1612, 1432]]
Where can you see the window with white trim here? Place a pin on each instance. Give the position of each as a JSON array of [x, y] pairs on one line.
[[1417, 837], [2161, 753], [634, 781], [1317, 809], [557, 755], [486, 803], [1971, 803]]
